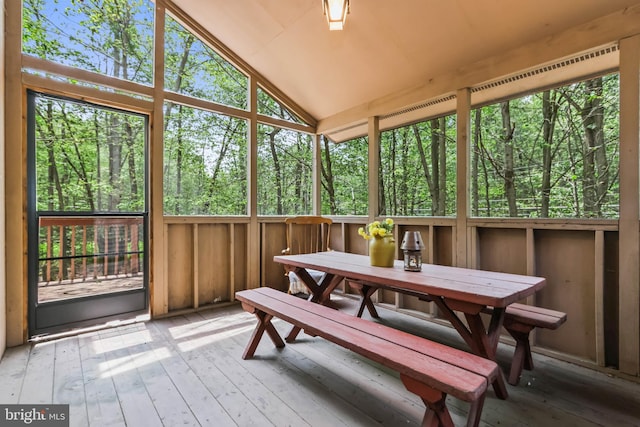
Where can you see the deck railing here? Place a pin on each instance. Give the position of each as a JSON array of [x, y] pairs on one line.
[[81, 248]]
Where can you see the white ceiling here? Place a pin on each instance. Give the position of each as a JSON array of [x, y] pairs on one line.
[[386, 47]]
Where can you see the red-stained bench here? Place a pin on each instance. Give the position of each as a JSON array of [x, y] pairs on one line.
[[428, 369], [519, 321]]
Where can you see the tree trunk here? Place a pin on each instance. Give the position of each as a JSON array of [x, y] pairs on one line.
[[509, 164], [114, 142], [475, 193], [393, 198], [179, 149], [327, 175], [595, 168], [299, 175], [277, 170], [405, 195], [574, 182], [53, 178], [442, 173], [382, 203], [131, 159], [435, 166], [96, 128], [229, 132], [549, 109], [425, 165], [188, 42]]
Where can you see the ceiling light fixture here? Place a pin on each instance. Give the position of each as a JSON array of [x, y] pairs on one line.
[[336, 12]]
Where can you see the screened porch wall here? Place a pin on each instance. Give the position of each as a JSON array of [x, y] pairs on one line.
[[198, 261], [209, 262]]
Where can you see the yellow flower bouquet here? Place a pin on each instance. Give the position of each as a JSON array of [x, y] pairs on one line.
[[377, 229]]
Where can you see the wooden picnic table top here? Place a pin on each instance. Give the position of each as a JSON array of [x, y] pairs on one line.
[[480, 287]]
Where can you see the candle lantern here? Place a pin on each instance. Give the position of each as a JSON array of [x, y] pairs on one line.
[[412, 246]]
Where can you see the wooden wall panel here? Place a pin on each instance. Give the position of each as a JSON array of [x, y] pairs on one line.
[[179, 276], [414, 303], [566, 259], [213, 263], [443, 245], [502, 249], [274, 242], [564, 255], [356, 244], [336, 238]]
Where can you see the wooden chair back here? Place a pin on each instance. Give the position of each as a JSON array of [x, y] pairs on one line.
[[307, 234]]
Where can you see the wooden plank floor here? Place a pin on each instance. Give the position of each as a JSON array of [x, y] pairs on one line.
[[188, 370]]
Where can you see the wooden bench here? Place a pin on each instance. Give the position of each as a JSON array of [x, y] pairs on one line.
[[428, 369], [519, 321]]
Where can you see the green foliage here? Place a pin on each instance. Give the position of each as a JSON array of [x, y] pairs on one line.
[[548, 154], [284, 172], [578, 109], [88, 159], [192, 68], [204, 164], [345, 178], [112, 37], [272, 108], [413, 167]]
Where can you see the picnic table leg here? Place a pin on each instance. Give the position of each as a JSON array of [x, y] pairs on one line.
[[320, 293], [487, 344], [264, 324], [482, 342], [459, 326], [365, 292]]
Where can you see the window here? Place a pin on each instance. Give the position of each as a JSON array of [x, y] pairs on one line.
[[417, 169], [272, 108], [194, 69], [284, 171], [89, 159], [205, 163], [345, 177], [113, 38], [552, 154]]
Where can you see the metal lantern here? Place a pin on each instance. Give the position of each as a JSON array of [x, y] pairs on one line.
[[412, 246]]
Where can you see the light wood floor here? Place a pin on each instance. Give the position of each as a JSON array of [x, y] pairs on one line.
[[188, 370]]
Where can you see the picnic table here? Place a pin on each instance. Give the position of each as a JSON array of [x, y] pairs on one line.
[[452, 289]]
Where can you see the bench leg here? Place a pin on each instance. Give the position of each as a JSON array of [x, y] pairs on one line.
[[475, 412], [522, 358], [291, 337], [437, 414], [485, 344], [264, 324]]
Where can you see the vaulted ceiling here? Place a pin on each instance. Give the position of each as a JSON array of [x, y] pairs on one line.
[[387, 47]]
